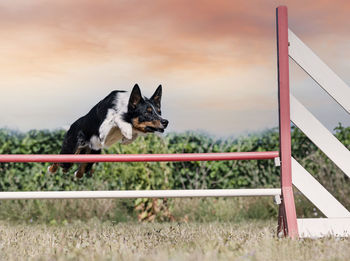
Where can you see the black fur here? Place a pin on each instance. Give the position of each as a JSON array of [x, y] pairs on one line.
[[85, 127]]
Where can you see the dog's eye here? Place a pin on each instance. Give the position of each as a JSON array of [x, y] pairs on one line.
[[149, 109], [159, 111]]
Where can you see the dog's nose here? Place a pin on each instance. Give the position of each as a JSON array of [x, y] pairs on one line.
[[164, 123]]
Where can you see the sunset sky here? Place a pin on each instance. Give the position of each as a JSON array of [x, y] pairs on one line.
[[216, 59]]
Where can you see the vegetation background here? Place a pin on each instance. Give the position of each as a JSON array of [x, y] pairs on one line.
[[163, 175]]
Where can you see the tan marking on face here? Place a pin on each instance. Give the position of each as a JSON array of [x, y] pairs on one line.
[[142, 125]]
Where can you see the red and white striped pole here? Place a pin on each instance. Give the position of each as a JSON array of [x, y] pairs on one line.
[[287, 213]]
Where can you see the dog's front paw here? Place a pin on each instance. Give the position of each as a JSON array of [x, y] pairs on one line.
[[126, 130]]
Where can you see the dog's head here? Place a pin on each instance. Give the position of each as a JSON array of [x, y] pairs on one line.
[[145, 114]]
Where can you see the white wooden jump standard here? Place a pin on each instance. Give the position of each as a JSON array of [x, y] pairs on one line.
[[337, 222]]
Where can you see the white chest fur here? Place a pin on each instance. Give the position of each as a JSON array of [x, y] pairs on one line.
[[114, 128]]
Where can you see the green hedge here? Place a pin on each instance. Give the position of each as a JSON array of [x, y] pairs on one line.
[[179, 175], [219, 174], [160, 175]]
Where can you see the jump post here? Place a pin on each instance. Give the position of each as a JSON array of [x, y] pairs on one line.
[[292, 173]]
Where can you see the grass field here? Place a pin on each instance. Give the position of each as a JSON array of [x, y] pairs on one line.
[[96, 240]]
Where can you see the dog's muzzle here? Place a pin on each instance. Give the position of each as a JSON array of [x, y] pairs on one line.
[[164, 122]]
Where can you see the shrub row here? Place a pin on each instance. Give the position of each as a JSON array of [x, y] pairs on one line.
[[176, 175]]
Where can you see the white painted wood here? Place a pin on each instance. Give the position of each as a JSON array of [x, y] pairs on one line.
[[140, 194], [319, 135], [277, 162], [316, 193], [321, 227], [319, 71]]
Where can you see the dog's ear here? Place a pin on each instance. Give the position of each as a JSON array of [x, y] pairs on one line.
[[156, 97], [135, 97]]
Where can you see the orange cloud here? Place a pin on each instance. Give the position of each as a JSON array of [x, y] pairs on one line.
[[209, 36]]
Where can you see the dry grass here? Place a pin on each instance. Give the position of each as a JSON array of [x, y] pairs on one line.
[[95, 240], [123, 210]]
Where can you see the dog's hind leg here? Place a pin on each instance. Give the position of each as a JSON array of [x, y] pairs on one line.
[[89, 169], [79, 173], [69, 146], [72, 144], [53, 168]]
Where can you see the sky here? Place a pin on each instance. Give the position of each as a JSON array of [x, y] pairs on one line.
[[216, 60]]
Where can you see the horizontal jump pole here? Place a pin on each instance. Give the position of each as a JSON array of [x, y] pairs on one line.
[[138, 157], [139, 194]]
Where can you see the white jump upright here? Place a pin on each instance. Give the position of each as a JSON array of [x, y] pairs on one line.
[[337, 222]]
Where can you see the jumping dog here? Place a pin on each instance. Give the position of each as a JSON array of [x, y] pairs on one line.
[[121, 116]]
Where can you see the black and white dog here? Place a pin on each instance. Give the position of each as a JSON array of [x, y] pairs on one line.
[[121, 116]]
